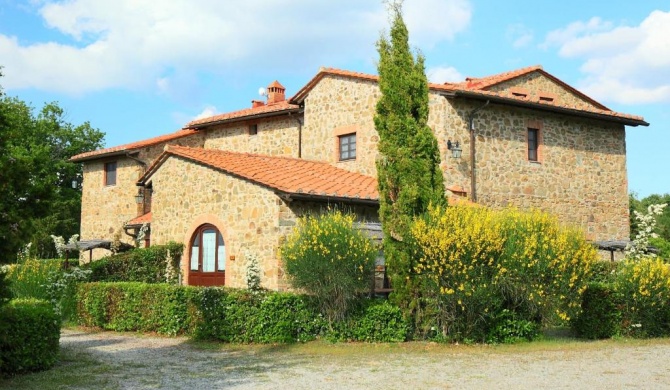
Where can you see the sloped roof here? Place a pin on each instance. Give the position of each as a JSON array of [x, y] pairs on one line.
[[121, 149], [141, 220], [265, 110], [292, 176], [476, 88]]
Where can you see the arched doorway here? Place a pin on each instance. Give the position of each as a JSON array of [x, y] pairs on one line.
[[208, 257]]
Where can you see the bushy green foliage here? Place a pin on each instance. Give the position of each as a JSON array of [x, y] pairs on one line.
[[29, 336], [5, 291], [645, 288], [131, 306], [381, 322], [408, 173], [479, 263], [508, 327], [147, 265], [663, 247], [30, 278], [605, 271], [331, 260], [641, 205], [601, 312]]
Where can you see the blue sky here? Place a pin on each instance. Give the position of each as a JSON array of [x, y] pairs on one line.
[[140, 68]]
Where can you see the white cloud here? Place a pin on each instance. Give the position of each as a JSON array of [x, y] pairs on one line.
[[206, 113], [444, 74], [519, 35], [146, 43], [625, 64]]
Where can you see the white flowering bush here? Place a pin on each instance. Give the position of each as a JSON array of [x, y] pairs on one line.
[[61, 288], [637, 249], [253, 272]]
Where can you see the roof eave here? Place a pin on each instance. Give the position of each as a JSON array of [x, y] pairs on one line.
[[286, 111], [327, 198], [545, 107], [116, 153]]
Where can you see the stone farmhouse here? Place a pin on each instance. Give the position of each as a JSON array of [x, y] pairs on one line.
[[234, 184]]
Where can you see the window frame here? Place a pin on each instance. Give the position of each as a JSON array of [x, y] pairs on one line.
[[106, 177], [252, 129], [219, 241], [340, 142], [533, 148]]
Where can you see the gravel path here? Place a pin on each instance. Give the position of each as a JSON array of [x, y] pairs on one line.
[[143, 362]]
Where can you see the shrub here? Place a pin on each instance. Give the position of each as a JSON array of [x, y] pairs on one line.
[[29, 279], [508, 328], [161, 308], [5, 291], [157, 264], [479, 262], [604, 271], [381, 322], [645, 286], [29, 336], [329, 259], [601, 316]]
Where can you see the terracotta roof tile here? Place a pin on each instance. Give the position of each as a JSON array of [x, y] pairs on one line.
[[142, 219], [264, 109], [285, 174], [134, 145], [476, 86]]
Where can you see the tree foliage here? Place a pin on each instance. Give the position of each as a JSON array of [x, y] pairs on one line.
[[408, 171], [36, 197], [662, 242]]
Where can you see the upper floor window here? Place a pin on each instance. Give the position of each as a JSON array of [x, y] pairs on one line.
[[347, 146], [533, 144], [110, 173], [253, 129]]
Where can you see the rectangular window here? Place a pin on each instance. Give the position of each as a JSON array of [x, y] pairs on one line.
[[253, 129], [347, 147], [110, 173], [533, 144]]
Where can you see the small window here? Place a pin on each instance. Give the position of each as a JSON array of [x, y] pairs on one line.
[[533, 144], [347, 147], [253, 129], [520, 94], [547, 99], [110, 173]]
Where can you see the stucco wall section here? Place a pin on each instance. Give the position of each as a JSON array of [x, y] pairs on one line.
[[537, 84], [276, 137]]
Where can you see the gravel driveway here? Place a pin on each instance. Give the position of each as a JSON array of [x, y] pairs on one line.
[[143, 362]]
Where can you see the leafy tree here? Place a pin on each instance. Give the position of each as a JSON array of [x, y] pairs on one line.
[[36, 198], [408, 171]]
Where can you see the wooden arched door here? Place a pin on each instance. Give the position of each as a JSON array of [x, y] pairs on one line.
[[208, 257]]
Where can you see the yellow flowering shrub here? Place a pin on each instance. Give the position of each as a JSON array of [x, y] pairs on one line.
[[482, 262], [644, 286], [331, 260]]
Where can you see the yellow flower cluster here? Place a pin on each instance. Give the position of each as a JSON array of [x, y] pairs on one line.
[[523, 258], [29, 279], [646, 281]]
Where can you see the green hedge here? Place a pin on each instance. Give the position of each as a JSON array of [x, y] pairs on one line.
[[227, 315], [29, 336], [147, 265], [601, 312]]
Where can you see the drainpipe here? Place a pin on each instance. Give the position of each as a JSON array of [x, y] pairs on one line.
[[473, 175], [300, 123]]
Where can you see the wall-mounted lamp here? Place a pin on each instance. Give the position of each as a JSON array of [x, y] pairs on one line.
[[74, 184], [455, 149], [139, 198]]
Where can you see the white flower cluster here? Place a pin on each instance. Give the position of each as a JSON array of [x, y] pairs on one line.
[[24, 253], [172, 272], [59, 282], [637, 249], [253, 274], [59, 243], [142, 233]]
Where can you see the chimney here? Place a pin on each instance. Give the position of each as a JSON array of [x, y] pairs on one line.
[[257, 103], [276, 92]]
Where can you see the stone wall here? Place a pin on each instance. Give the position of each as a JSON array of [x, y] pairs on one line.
[[538, 85], [276, 136], [105, 209], [581, 175], [187, 195]]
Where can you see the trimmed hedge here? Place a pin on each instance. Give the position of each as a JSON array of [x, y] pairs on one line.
[[29, 336], [227, 315], [601, 312], [147, 265]]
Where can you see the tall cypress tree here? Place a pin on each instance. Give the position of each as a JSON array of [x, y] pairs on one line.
[[408, 171]]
